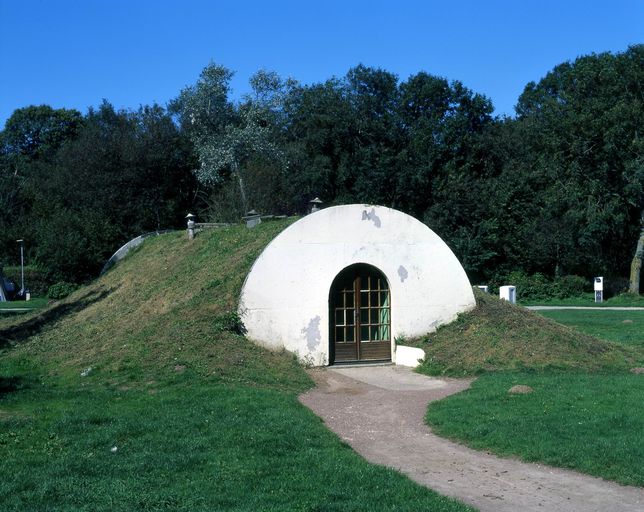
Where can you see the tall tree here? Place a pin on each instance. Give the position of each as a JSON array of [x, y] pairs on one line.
[[583, 126]]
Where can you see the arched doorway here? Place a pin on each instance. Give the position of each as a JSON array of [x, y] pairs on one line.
[[360, 315]]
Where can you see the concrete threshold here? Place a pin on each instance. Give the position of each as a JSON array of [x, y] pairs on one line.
[[360, 364]]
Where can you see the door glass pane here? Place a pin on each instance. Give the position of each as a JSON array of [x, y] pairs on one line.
[[374, 316], [350, 316], [364, 333], [375, 334], [384, 299], [339, 334], [339, 317], [384, 332], [374, 299], [351, 332], [384, 316], [364, 299], [349, 297], [364, 315]]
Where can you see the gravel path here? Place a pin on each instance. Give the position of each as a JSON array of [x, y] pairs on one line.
[[379, 411]]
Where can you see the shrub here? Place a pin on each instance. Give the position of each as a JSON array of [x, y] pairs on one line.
[[36, 279], [540, 287], [230, 321], [61, 290], [571, 286]]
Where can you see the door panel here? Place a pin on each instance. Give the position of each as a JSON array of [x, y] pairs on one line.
[[360, 310]]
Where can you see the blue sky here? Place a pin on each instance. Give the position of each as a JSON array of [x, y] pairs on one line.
[[75, 53]]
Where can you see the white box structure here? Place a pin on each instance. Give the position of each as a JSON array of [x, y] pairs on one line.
[[599, 289], [508, 293]]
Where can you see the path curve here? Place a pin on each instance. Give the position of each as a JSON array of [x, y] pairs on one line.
[[379, 411]]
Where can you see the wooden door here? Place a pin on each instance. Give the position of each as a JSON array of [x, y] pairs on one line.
[[360, 313]]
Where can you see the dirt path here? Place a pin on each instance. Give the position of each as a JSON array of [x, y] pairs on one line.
[[379, 411]]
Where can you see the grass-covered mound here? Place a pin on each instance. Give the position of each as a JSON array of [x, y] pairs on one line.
[[138, 393], [170, 303], [498, 336]]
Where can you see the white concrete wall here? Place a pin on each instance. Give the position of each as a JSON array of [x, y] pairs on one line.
[[285, 299]]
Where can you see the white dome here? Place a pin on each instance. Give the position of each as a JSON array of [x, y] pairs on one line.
[[285, 299]]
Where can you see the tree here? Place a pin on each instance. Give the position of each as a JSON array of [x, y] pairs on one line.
[[582, 123], [227, 137], [126, 173], [39, 131], [636, 264]]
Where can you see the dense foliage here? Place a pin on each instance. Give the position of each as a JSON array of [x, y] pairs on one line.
[[557, 190]]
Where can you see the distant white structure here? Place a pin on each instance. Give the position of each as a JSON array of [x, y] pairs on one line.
[[341, 284], [598, 285], [508, 293]]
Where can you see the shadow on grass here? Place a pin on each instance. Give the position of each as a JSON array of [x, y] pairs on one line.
[[23, 330], [10, 384]]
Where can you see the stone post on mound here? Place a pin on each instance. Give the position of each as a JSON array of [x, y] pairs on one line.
[[191, 226]]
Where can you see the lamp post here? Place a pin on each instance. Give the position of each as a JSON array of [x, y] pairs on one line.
[[22, 266]]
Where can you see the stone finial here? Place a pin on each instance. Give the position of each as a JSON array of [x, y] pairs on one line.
[[191, 226], [315, 204]]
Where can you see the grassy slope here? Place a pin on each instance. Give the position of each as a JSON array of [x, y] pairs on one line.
[[497, 336], [585, 412], [177, 412]]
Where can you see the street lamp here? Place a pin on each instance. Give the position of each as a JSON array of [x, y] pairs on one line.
[[22, 266]]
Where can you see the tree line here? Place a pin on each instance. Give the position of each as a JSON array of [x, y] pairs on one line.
[[558, 189]]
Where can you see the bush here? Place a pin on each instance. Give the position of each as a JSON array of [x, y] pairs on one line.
[[36, 279], [230, 321], [571, 286], [61, 290], [541, 287]]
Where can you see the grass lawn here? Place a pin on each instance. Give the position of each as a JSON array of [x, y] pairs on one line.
[[586, 409], [136, 393], [588, 299], [187, 444], [590, 423], [34, 303], [621, 326]]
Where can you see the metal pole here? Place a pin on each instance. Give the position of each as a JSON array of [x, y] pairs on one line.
[[22, 267]]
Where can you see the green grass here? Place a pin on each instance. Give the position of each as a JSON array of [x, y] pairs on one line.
[[34, 303], [586, 409], [186, 445], [498, 336], [620, 326], [590, 423], [146, 360], [588, 300]]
